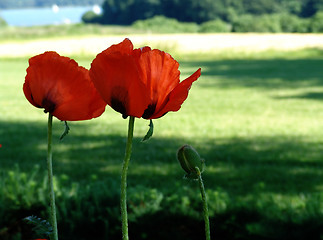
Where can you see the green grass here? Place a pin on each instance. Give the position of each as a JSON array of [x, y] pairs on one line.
[[255, 118], [11, 33]]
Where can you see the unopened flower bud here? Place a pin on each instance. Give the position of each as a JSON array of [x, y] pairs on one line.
[[189, 159]]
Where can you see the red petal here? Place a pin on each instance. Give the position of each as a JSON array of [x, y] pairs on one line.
[[33, 87], [28, 94], [60, 82], [125, 47], [115, 75], [178, 95], [159, 71], [84, 102]]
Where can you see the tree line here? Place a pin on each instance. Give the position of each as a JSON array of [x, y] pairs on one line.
[[127, 11]]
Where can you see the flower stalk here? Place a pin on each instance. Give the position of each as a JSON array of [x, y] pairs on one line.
[[123, 195], [194, 165], [53, 221], [205, 207]]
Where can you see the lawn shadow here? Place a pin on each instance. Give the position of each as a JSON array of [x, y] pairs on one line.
[[239, 167], [279, 164], [307, 95], [285, 165], [259, 73]]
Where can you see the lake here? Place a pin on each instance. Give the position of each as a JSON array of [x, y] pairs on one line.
[[45, 16]]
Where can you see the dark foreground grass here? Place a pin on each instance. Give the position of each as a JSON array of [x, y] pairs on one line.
[[256, 121]]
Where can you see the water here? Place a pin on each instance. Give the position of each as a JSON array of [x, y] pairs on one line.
[[45, 16]]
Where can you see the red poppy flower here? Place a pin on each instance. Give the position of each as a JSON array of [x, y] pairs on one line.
[[139, 82], [62, 88]]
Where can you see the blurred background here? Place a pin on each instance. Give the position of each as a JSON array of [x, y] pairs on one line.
[[255, 116]]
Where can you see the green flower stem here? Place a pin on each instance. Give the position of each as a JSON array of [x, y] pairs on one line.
[[123, 197], [53, 221], [205, 207]]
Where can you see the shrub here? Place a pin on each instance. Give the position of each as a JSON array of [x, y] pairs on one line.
[[162, 24], [215, 26], [3, 22], [91, 17], [316, 22], [292, 23], [143, 201], [251, 23]]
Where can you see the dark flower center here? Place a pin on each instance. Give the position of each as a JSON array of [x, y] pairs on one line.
[[119, 107], [48, 105], [149, 111], [119, 100]]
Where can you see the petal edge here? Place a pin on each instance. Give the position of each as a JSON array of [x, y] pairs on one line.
[[178, 95]]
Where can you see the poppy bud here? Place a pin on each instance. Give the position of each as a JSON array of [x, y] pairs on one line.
[[189, 159]]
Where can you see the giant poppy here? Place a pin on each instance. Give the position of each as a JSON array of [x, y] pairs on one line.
[[62, 88], [140, 82]]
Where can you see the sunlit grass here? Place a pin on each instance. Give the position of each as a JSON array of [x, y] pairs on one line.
[[21, 34]]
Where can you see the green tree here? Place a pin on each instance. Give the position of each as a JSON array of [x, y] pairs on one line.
[[128, 11], [243, 15], [251, 23], [196, 11], [316, 22], [259, 7], [91, 17], [311, 7], [292, 6], [293, 23]]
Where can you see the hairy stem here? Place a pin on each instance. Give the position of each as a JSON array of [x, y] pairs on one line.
[[53, 221], [123, 197], [205, 207]]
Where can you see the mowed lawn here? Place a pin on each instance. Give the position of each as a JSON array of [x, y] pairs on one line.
[[256, 119]]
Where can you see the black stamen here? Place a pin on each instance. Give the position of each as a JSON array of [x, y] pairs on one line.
[[119, 107], [119, 100], [149, 111], [48, 105]]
